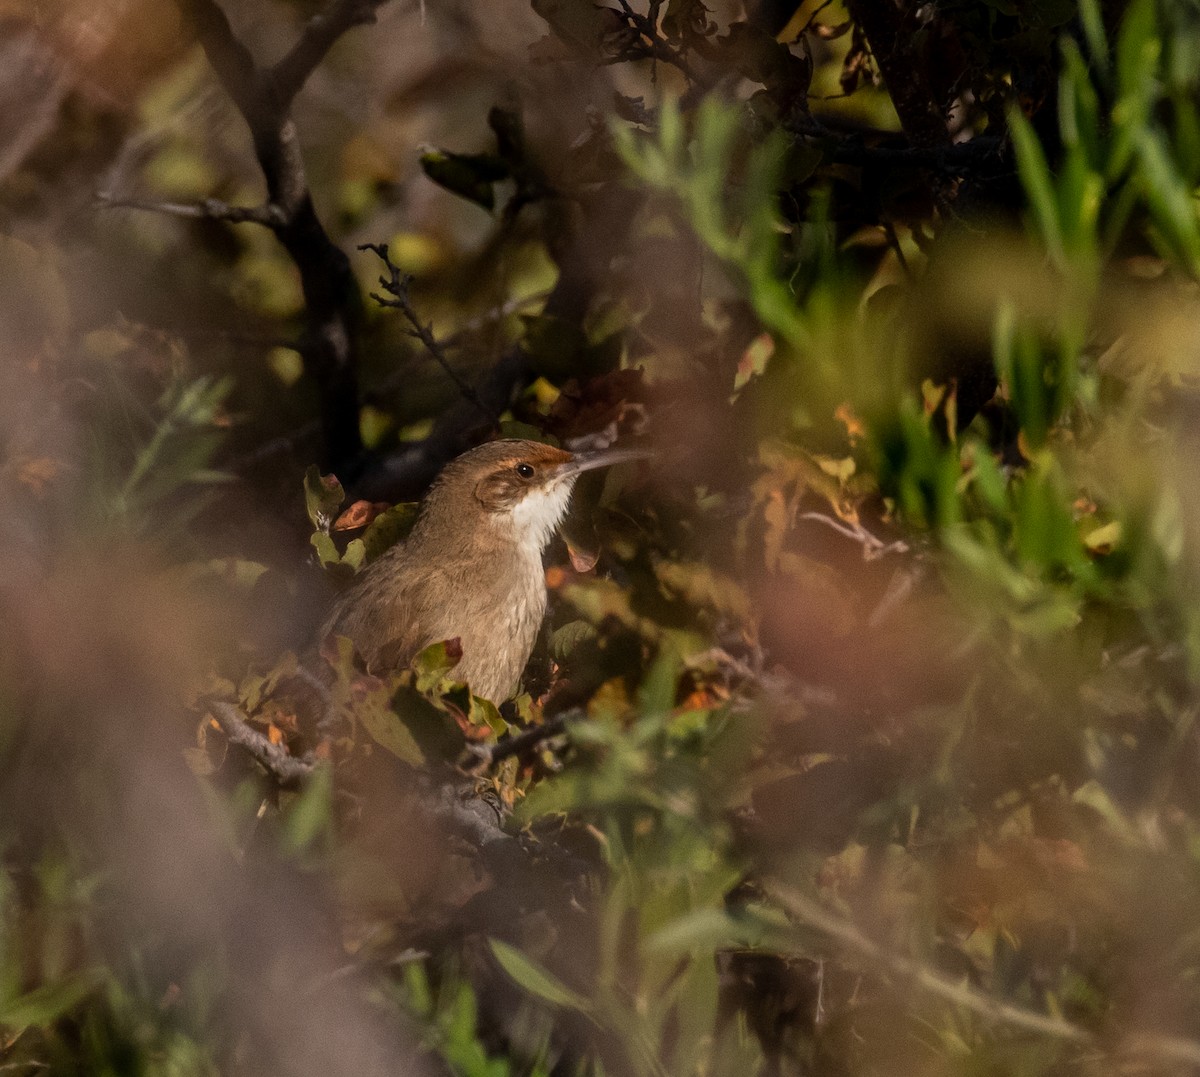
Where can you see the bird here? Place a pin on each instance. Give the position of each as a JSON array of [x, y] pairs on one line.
[[471, 568]]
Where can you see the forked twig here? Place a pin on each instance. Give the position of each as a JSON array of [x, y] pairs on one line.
[[396, 285]]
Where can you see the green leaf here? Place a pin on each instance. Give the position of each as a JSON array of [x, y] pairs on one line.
[[435, 662], [323, 496], [310, 815], [418, 992], [670, 130], [571, 635], [1035, 178], [1172, 204], [699, 930], [1022, 366], [469, 175], [326, 548], [355, 555], [535, 979], [484, 712], [1138, 48], [231, 570], [656, 695], [47, 1003], [1047, 619], [387, 730], [1078, 105], [1091, 18], [388, 528], [436, 734], [513, 428]]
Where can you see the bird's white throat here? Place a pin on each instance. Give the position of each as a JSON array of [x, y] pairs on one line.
[[539, 512]]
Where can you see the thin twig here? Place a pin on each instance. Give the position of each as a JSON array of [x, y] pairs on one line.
[[592, 241], [990, 1008], [655, 48], [849, 148], [486, 756], [873, 546], [848, 934], [496, 314], [211, 209], [288, 770], [396, 284]]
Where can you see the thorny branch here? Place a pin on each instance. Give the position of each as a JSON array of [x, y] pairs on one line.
[[396, 284]]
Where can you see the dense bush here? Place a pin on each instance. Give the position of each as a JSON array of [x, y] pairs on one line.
[[861, 737]]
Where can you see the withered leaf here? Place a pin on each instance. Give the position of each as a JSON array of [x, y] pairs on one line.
[[359, 515]]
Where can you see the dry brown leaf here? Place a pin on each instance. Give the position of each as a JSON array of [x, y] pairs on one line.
[[582, 560], [359, 515], [855, 431], [37, 472]]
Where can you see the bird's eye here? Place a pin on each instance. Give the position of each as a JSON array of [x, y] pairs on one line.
[[525, 471]]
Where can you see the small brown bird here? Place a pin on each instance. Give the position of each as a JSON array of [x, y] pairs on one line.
[[472, 566]]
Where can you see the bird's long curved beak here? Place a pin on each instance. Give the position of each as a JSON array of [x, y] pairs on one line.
[[588, 461]]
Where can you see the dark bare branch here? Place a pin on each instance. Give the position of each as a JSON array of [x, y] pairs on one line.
[[333, 303], [228, 57], [323, 30], [288, 770], [484, 757], [652, 46]]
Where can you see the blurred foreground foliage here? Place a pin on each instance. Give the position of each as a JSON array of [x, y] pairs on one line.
[[874, 696]]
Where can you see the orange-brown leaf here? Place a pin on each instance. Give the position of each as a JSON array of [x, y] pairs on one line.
[[359, 515]]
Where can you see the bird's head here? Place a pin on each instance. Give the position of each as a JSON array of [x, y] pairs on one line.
[[524, 485]]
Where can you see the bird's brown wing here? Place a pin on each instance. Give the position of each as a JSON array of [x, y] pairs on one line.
[[385, 616]]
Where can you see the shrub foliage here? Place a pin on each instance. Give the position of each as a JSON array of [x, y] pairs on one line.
[[861, 736]]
